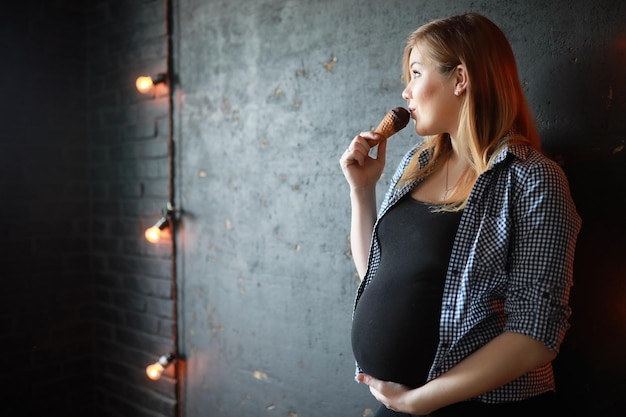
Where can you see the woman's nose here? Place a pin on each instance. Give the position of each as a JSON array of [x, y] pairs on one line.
[[406, 93]]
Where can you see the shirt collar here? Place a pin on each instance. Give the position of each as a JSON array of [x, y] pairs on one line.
[[518, 150]]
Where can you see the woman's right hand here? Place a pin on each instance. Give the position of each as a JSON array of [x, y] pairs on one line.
[[359, 168], [362, 172]]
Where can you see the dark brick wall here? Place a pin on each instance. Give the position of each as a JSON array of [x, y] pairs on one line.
[[129, 171], [86, 301], [44, 269]]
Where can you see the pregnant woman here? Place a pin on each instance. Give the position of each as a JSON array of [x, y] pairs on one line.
[[467, 265]]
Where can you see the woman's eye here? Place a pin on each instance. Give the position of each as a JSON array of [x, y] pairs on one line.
[[415, 73]]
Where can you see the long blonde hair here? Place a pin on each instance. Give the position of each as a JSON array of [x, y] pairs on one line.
[[494, 104]]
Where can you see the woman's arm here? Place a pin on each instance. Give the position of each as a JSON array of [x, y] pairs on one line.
[[362, 173], [500, 361], [363, 203]]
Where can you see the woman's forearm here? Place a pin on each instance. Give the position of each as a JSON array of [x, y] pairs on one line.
[[500, 361], [361, 226]]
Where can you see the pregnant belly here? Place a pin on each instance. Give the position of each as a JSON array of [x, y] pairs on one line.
[[395, 331]]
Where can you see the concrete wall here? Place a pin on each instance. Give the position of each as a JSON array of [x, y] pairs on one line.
[[269, 95]]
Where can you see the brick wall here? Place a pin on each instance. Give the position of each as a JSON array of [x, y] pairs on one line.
[[129, 168], [86, 301], [46, 293]]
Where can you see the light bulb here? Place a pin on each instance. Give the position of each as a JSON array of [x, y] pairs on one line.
[[154, 371], [144, 84], [153, 234]]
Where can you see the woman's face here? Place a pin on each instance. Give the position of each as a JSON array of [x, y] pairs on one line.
[[431, 98]]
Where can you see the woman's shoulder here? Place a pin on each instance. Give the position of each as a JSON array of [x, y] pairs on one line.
[[531, 169], [535, 180], [530, 161]]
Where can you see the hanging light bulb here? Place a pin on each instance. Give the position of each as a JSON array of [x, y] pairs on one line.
[[144, 83], [155, 370], [153, 234], [164, 226]]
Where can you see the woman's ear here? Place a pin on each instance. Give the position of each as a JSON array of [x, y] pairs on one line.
[[461, 80]]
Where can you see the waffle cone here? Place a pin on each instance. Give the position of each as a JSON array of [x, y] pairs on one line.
[[394, 121]]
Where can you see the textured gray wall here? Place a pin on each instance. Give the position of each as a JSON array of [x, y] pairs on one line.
[[270, 92]]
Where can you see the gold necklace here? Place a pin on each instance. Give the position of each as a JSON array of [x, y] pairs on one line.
[[446, 190]]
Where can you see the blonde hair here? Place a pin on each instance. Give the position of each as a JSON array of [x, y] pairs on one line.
[[494, 104]]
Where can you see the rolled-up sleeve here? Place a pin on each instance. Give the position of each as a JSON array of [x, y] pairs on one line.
[[540, 267]]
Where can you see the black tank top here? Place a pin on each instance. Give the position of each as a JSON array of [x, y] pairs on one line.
[[395, 329]]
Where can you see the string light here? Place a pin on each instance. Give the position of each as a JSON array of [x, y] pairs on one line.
[[144, 83], [155, 370], [155, 233]]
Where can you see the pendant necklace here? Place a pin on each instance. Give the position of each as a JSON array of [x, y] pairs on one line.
[[446, 190]]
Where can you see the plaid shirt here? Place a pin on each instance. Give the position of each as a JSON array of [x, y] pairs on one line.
[[511, 265]]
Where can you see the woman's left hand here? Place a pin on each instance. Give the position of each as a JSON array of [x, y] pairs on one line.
[[391, 394]]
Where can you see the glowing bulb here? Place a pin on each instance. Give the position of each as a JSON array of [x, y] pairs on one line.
[[153, 234], [144, 84], [154, 371]]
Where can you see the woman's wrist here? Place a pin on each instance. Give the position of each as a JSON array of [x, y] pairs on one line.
[[426, 399], [363, 194]]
